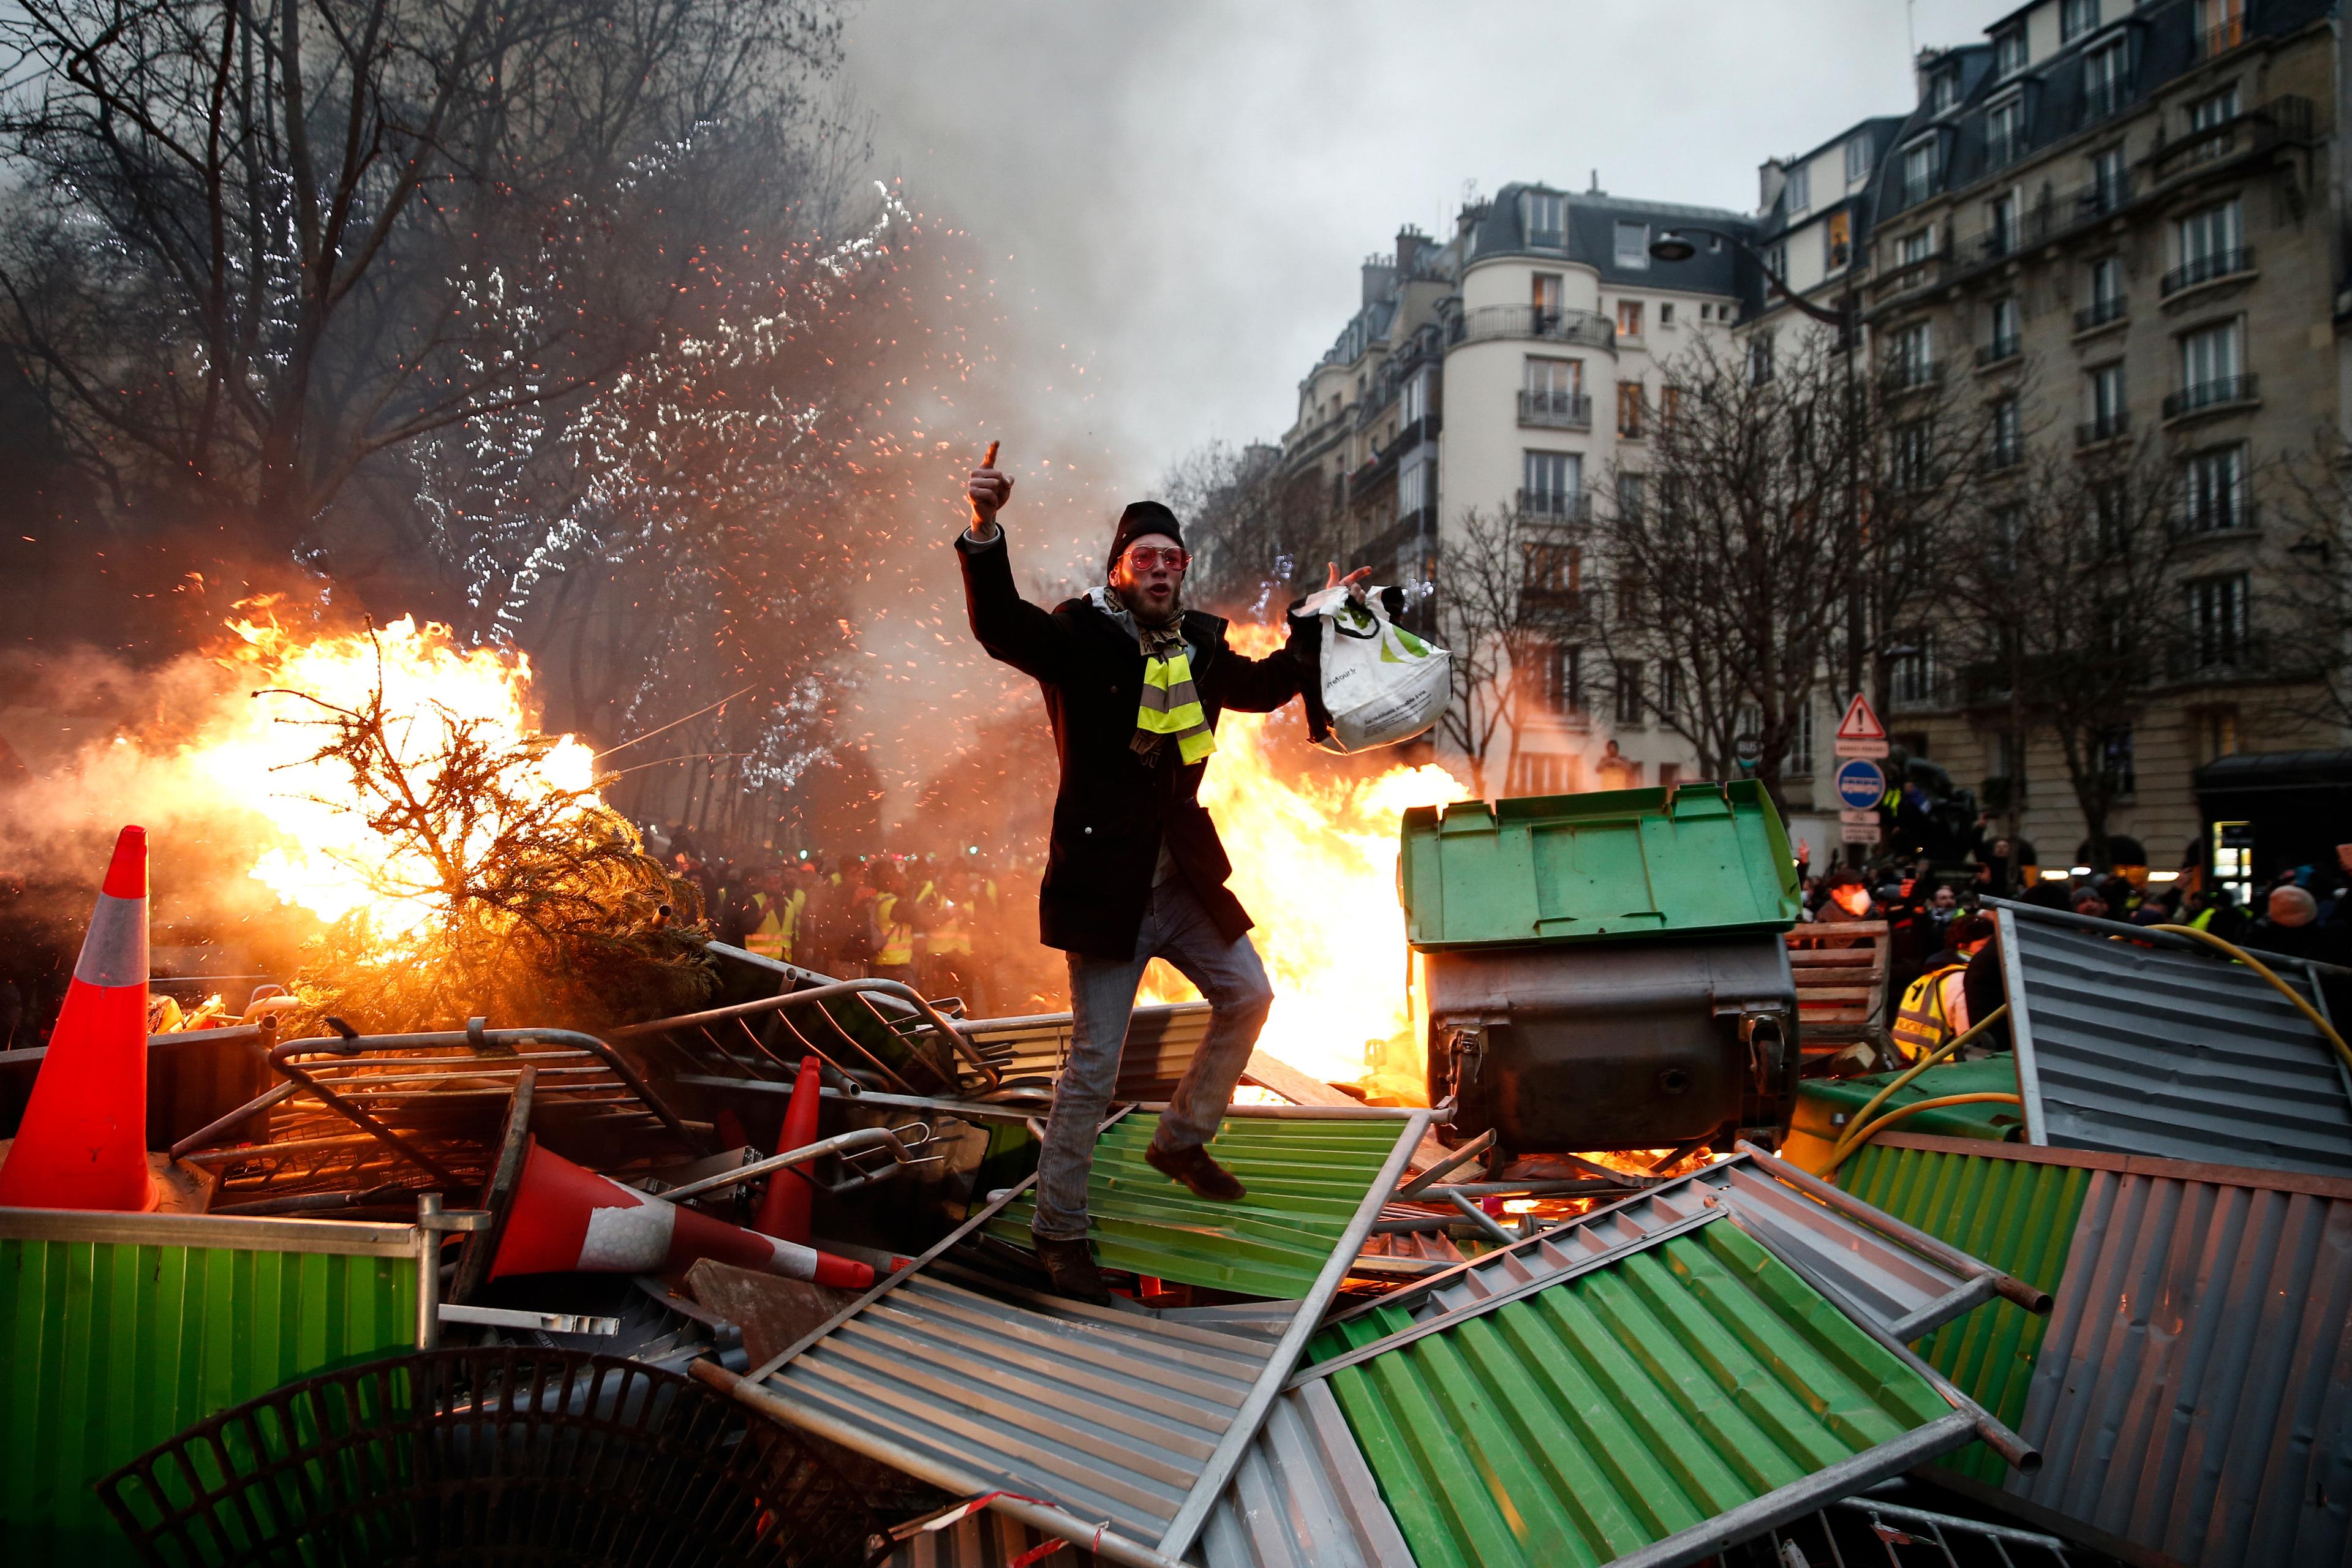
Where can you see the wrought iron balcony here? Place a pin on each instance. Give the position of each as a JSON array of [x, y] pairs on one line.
[[1999, 349], [2099, 312], [1585, 327], [2106, 427], [1556, 410], [2218, 393], [2207, 267], [1557, 506], [2219, 517]]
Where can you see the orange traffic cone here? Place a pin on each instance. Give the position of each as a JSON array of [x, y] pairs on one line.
[[565, 1217], [792, 1197], [83, 1140]]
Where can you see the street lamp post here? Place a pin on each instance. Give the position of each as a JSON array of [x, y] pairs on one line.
[[1674, 245]]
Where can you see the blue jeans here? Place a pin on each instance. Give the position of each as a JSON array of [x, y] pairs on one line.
[[1102, 996]]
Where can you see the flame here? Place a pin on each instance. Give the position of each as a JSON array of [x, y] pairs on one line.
[[1314, 864], [321, 855]]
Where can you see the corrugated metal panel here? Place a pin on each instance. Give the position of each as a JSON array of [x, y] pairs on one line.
[[1896, 1286], [1624, 1406], [1306, 1178], [118, 1332], [2194, 1391], [2016, 1214], [2167, 1051], [1160, 1041], [1303, 1498]]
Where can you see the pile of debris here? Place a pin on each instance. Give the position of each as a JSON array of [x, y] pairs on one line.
[[753, 1280]]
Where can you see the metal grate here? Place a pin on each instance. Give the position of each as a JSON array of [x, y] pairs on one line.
[[488, 1456]]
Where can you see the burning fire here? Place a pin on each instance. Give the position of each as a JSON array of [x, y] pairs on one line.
[[1315, 863], [324, 857]]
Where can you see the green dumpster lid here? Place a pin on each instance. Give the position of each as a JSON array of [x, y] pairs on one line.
[[1611, 864]]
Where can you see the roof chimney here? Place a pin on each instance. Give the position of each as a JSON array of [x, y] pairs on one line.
[[1411, 246]]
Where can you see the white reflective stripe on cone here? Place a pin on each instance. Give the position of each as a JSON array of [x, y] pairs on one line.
[[793, 1261], [631, 1239], [114, 949]]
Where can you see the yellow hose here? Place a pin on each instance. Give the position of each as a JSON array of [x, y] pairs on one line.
[[1862, 1135], [1923, 1063], [2259, 967]]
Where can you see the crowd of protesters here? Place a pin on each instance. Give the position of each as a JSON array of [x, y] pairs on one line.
[[1942, 963], [948, 926]]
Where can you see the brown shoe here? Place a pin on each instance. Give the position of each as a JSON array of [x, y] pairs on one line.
[[1071, 1264], [1195, 1168]]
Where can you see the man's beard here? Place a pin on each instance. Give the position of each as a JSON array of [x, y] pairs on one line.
[[1132, 598]]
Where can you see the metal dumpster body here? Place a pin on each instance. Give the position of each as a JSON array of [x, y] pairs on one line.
[[1606, 971], [1619, 1047]]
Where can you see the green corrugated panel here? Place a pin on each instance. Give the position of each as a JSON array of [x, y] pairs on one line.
[[1306, 1181], [2018, 1215], [1845, 1097], [1618, 1408], [110, 1348], [1601, 865]]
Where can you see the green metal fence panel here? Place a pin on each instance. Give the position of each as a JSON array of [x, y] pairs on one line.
[[1606, 865], [117, 1333], [1306, 1180], [1827, 1107], [2018, 1216], [1619, 1407]]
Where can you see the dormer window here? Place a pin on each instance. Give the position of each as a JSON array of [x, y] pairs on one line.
[[1544, 220], [1801, 188], [1944, 91], [1857, 160], [2009, 51], [1633, 245], [2076, 18]]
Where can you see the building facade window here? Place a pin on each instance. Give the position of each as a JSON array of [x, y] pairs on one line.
[[2217, 619], [1857, 160], [2000, 224], [1548, 379], [1944, 91], [1629, 317], [1413, 397], [1759, 358], [1633, 245], [2117, 760], [2215, 483], [1627, 705], [1670, 404], [2076, 18], [1666, 313], [1912, 678], [1912, 456], [1543, 219], [1544, 295], [1800, 190], [1629, 497], [2004, 133], [2103, 388], [1412, 490], [1552, 483], [1560, 680], [1670, 691], [1915, 354], [1837, 241], [1546, 772], [1918, 173], [2009, 51], [2105, 81], [2005, 439], [2213, 110], [1915, 247], [1775, 266], [1629, 410], [2110, 181], [2210, 243], [2209, 366], [1799, 762], [2006, 338], [2106, 295]]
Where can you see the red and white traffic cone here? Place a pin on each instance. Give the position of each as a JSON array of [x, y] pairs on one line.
[[790, 1205], [83, 1140], [565, 1217]]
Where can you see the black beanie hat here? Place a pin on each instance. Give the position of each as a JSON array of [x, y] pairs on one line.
[[1140, 517]]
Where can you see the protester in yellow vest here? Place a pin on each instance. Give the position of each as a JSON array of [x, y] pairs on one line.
[[772, 916], [1936, 1006], [894, 925]]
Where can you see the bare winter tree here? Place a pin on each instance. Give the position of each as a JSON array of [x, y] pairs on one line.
[[1258, 541], [260, 244], [1784, 520], [2312, 612], [2050, 585], [1500, 610]]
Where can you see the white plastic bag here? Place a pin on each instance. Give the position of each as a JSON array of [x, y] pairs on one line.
[[1382, 685]]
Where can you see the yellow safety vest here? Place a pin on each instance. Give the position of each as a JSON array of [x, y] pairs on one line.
[[1925, 1021], [772, 937], [897, 937]]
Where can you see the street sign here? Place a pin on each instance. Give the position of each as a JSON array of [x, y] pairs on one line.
[[1859, 733], [1860, 785], [1748, 750], [1847, 815], [1857, 833]]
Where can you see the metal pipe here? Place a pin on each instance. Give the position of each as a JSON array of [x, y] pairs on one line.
[[1997, 1436], [1550, 1187], [849, 1142], [1099, 1538], [1482, 1219], [1210, 1483], [1935, 1248], [250, 1108], [1909, 1515], [1454, 1162], [1797, 1498], [938, 1021]]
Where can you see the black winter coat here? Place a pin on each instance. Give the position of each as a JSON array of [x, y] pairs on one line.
[[1112, 812]]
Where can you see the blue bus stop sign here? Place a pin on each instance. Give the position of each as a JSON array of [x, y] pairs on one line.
[[1860, 785]]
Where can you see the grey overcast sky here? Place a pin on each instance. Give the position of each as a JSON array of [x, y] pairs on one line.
[[1182, 191]]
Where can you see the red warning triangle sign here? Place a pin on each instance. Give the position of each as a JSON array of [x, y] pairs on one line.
[[1860, 723]]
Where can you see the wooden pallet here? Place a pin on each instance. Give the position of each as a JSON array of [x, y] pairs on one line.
[[1840, 974]]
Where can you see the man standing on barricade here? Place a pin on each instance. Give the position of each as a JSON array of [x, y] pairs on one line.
[[1133, 684]]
